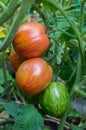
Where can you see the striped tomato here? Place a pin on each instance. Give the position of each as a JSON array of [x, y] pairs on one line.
[[31, 40], [34, 75], [54, 99]]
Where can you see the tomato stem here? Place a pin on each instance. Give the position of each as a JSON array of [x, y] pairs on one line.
[[18, 93], [4, 69], [25, 6], [9, 10], [81, 25], [75, 88], [81, 55], [81, 16], [73, 6], [80, 92], [41, 15], [74, 27], [2, 6]]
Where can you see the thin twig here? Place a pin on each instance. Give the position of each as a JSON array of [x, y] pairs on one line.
[[57, 121], [4, 69], [73, 6]]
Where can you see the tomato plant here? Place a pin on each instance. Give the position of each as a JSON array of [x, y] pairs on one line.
[[50, 52]]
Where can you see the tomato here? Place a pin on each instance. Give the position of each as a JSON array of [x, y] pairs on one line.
[[54, 99], [34, 75], [31, 40], [15, 60]]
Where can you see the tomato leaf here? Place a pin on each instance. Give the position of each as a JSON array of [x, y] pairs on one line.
[[60, 52], [2, 77], [1, 89], [49, 8], [73, 127], [28, 119], [10, 107]]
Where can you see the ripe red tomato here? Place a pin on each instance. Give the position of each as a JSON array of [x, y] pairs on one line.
[[31, 40], [34, 75], [15, 60]]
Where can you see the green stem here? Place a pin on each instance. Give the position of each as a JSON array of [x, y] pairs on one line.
[[41, 15], [65, 32], [78, 34], [2, 6], [81, 15], [4, 69], [46, 22], [25, 6], [72, 7], [80, 92], [9, 10], [18, 93], [75, 88], [64, 118], [79, 63]]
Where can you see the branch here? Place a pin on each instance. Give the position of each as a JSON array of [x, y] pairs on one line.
[[25, 5], [9, 10], [81, 16], [80, 57], [41, 15], [4, 69], [80, 92], [2, 6], [72, 7], [78, 34]]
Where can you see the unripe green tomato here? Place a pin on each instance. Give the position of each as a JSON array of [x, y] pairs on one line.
[[54, 99]]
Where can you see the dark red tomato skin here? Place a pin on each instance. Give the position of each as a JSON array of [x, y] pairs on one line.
[[34, 75], [15, 60], [31, 40]]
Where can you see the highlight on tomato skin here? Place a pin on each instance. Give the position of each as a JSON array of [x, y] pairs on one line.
[[15, 60], [31, 40], [34, 75]]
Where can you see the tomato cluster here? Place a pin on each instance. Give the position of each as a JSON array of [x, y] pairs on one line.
[[33, 73]]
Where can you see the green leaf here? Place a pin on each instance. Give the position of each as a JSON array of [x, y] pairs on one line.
[[11, 107], [73, 127], [60, 52], [48, 7], [4, 1], [28, 119], [1, 89], [2, 78], [5, 91]]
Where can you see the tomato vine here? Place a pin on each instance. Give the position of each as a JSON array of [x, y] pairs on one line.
[[24, 6]]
